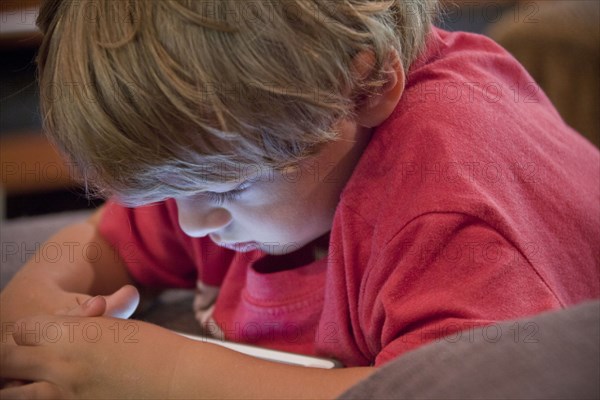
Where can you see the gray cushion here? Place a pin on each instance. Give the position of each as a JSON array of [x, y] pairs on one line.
[[555, 355]]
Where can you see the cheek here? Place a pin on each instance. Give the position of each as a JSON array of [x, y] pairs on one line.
[[279, 217], [277, 223], [303, 219], [287, 211]]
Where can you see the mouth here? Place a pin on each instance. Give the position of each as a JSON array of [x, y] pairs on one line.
[[242, 247]]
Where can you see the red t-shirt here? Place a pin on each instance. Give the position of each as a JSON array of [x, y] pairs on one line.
[[472, 203]]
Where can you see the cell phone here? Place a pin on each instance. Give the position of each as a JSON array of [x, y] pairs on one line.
[[270, 355]]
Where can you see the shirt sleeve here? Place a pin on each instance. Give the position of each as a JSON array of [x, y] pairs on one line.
[[157, 252], [443, 275]]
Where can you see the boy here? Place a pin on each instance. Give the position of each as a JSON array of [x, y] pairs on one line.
[[335, 178]]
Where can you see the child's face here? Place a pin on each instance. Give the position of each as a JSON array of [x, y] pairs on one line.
[[278, 212]]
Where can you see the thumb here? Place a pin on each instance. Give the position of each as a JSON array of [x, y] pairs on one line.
[[122, 303]]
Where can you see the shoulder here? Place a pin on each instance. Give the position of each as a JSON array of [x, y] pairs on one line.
[[471, 127]]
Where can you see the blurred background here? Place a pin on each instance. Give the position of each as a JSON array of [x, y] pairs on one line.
[[557, 41]]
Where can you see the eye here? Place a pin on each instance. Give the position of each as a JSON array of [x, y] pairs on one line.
[[220, 198], [232, 195]]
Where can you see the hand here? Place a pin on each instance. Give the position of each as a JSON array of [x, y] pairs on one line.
[[72, 357], [120, 304]]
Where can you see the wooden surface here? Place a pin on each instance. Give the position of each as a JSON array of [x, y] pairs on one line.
[[17, 24], [29, 164]]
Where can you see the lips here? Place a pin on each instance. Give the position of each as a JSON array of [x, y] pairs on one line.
[[241, 247]]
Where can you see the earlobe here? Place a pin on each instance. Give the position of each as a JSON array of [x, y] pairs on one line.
[[377, 107]]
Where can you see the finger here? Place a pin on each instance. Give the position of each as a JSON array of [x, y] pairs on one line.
[[6, 332], [36, 390], [92, 307], [120, 304], [45, 329], [123, 302], [22, 362], [7, 383]]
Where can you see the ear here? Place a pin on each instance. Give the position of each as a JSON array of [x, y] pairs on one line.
[[377, 107]]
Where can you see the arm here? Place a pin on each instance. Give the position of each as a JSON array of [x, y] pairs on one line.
[[45, 286], [234, 375], [133, 359]]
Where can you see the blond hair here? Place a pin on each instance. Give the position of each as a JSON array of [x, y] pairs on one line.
[[157, 99]]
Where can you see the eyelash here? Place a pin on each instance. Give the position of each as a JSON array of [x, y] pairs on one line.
[[232, 195], [220, 198]]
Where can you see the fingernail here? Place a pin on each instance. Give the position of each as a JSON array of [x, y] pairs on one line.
[[88, 302]]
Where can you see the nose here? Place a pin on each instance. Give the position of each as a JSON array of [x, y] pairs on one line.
[[197, 218]]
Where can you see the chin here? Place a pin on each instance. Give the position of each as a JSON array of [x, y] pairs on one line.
[[277, 249]]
